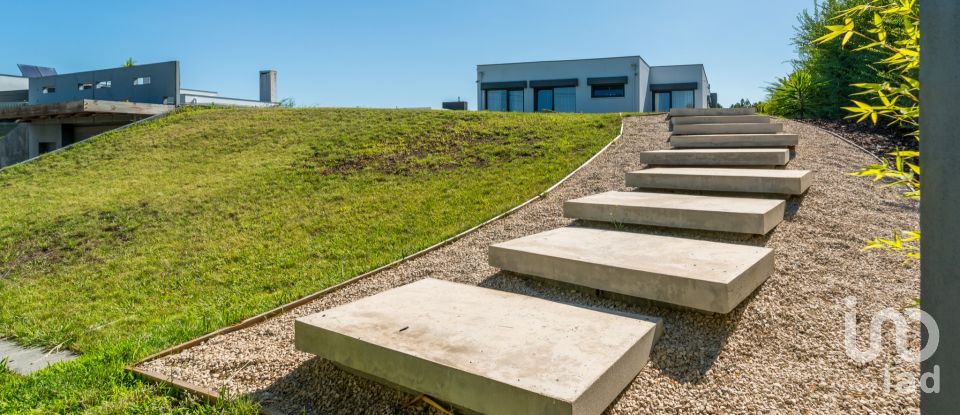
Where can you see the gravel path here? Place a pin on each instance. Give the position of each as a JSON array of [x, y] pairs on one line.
[[780, 351]]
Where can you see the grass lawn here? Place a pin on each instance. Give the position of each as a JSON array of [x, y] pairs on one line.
[[144, 238]]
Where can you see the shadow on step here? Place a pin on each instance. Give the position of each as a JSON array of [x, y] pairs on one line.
[[713, 236], [691, 340]]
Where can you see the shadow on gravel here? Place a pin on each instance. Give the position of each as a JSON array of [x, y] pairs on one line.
[[318, 386], [691, 341]]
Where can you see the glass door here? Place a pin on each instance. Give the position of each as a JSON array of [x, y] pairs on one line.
[[682, 99], [565, 99], [661, 101], [544, 100]]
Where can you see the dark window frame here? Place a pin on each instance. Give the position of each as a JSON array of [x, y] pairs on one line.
[[608, 87], [553, 94], [486, 95], [670, 94]]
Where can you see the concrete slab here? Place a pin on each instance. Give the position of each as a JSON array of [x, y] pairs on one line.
[[727, 128], [734, 140], [686, 112], [712, 119], [484, 350], [26, 360], [789, 182], [713, 213], [703, 275], [717, 157]]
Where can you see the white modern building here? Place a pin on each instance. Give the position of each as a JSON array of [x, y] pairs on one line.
[[621, 84]]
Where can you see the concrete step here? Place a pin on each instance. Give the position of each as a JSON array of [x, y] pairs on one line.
[[714, 119], [717, 157], [789, 182], [734, 140], [704, 275], [711, 213], [727, 128], [688, 112], [485, 350]]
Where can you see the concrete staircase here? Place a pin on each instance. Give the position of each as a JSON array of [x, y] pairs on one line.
[[717, 157], [710, 213], [789, 182], [464, 344]]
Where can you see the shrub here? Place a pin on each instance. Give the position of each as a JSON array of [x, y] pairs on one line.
[[794, 96], [892, 31]]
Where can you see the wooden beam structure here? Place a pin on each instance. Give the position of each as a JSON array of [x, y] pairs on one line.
[[84, 107]]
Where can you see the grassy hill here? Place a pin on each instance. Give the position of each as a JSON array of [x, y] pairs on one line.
[[147, 237]]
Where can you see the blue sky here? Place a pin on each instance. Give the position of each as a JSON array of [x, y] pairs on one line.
[[399, 53]]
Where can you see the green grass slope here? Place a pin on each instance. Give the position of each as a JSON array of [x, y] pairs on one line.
[[147, 237]]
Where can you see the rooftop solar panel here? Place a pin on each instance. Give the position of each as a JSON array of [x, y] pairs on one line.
[[33, 71]]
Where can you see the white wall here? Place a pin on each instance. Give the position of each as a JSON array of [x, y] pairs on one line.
[[632, 67], [13, 83], [189, 99]]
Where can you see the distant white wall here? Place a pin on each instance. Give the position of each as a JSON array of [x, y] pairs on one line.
[[14, 83], [190, 99], [198, 92], [632, 67]]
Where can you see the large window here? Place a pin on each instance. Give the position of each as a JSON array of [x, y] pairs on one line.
[[505, 100], [563, 99], [607, 91], [681, 99], [663, 101]]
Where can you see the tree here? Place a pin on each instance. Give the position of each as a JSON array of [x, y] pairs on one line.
[[834, 67], [744, 103], [893, 31], [129, 63]]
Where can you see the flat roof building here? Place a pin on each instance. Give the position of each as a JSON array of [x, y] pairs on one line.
[[619, 84]]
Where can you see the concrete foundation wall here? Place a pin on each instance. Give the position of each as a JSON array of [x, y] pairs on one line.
[[15, 146]]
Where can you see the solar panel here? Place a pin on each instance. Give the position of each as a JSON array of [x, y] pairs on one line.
[[44, 71], [34, 71]]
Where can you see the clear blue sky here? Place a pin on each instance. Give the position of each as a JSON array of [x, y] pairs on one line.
[[399, 53]]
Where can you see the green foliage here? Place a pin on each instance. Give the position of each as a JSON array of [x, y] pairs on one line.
[[288, 103], [129, 63], [890, 28], [794, 96], [834, 67], [143, 238]]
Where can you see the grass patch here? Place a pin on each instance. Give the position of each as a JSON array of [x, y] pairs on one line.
[[148, 237]]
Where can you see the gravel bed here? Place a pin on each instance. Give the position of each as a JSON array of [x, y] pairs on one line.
[[781, 351], [879, 139]]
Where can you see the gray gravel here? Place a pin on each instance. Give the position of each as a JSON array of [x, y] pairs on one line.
[[781, 351]]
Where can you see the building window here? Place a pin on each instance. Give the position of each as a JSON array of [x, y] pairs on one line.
[[48, 90], [563, 99], [607, 91], [665, 100], [143, 80], [104, 84], [505, 100], [83, 86]]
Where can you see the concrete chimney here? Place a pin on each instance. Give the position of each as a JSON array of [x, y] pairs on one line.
[[268, 86]]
